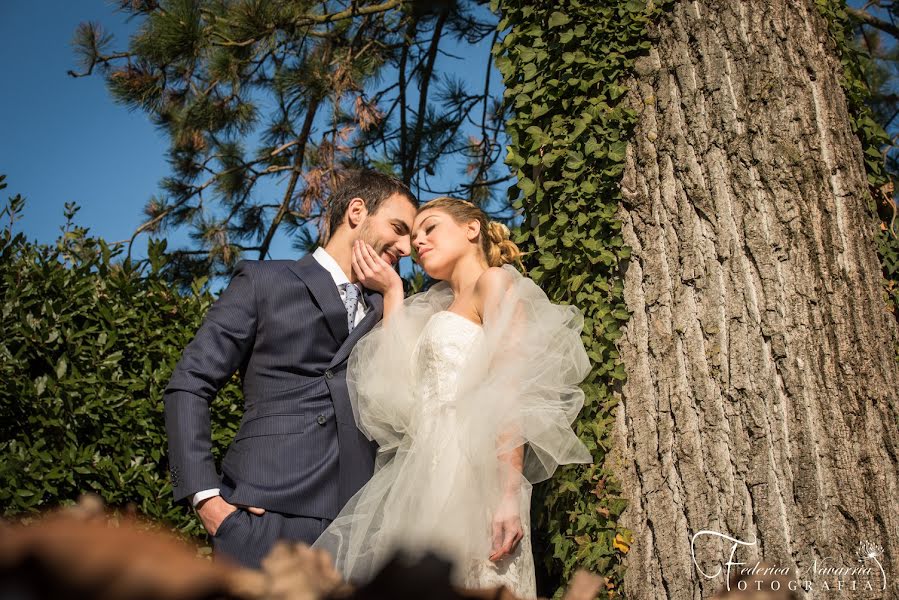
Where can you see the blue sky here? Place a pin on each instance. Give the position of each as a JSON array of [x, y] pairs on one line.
[[65, 140]]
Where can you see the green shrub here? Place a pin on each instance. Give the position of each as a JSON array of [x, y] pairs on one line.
[[87, 345]]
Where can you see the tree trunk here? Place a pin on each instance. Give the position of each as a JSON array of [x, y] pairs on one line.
[[761, 357]]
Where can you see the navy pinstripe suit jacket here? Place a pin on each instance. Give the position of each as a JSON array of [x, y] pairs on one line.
[[298, 450]]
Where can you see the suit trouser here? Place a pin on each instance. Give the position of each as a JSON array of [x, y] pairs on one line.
[[246, 538]]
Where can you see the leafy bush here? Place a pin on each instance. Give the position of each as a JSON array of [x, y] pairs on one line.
[[87, 345]]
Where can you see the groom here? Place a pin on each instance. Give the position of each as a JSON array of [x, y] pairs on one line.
[[288, 327]]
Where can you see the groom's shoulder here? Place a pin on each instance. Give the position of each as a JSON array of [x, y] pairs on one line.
[[259, 266], [262, 271]]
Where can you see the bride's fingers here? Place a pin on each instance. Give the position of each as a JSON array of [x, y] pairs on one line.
[[516, 540], [510, 540], [497, 536], [374, 261], [377, 257], [354, 260], [366, 259], [512, 535], [497, 542], [505, 538], [359, 261]]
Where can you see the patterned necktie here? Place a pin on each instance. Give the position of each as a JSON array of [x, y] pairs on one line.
[[350, 301]]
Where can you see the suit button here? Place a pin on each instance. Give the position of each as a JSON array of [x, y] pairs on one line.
[[321, 419], [329, 374]]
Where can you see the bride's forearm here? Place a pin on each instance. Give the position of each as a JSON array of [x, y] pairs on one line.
[[512, 462], [393, 300]]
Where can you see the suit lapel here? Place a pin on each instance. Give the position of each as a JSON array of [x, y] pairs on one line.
[[321, 286], [376, 308]]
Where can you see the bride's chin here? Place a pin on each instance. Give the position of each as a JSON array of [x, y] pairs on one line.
[[436, 274], [431, 274]]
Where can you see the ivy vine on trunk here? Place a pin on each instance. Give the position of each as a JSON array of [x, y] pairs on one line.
[[564, 64]]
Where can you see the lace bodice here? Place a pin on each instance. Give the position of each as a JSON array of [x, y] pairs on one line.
[[445, 347]]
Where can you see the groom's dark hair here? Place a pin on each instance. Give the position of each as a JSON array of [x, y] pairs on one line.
[[371, 186]]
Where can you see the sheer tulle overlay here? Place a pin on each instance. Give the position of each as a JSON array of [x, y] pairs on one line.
[[447, 400]]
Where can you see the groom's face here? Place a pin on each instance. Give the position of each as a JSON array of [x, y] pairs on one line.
[[387, 230]]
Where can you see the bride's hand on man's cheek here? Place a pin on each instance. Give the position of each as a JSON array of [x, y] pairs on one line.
[[372, 271]]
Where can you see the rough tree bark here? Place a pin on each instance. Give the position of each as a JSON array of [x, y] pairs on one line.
[[761, 358]]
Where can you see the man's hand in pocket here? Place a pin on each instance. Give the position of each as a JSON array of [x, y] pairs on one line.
[[212, 512]]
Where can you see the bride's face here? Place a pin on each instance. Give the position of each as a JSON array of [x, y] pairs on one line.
[[440, 241]]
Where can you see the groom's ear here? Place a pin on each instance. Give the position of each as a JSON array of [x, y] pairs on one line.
[[356, 212]]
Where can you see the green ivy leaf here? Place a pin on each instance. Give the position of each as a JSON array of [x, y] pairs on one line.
[[557, 19]]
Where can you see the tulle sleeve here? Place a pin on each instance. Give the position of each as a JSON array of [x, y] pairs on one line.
[[380, 372], [529, 394]]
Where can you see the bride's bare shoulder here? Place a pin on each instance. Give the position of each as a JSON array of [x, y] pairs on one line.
[[490, 288], [494, 279]]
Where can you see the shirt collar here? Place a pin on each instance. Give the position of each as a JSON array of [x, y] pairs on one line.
[[327, 261], [330, 265]]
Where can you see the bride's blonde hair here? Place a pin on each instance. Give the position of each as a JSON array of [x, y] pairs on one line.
[[494, 237]]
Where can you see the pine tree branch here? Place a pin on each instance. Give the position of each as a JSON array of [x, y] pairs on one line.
[[423, 95], [485, 163], [487, 86], [99, 59], [869, 19], [463, 114], [468, 186], [151, 224], [403, 149], [488, 183], [353, 11], [207, 171], [304, 20], [873, 3], [302, 140]]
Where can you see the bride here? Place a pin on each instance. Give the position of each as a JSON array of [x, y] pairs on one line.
[[469, 390]]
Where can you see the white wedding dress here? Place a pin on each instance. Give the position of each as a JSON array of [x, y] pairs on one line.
[[445, 348], [437, 391]]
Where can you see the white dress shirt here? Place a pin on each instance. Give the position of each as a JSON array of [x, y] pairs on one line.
[[339, 277], [330, 265]]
